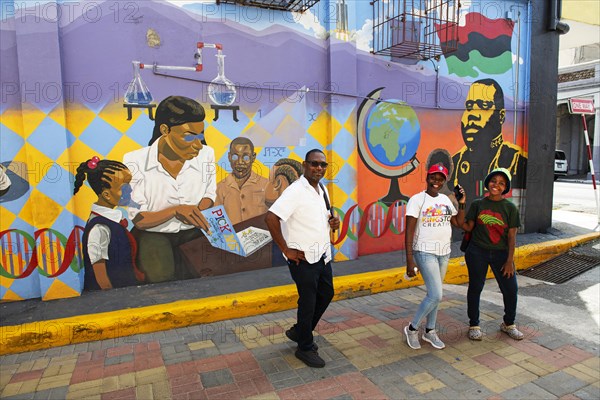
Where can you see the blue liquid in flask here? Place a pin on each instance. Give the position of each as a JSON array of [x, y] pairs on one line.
[[221, 90], [137, 91], [138, 98], [222, 98]]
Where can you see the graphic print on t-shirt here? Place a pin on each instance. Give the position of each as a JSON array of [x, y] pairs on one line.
[[436, 215], [494, 223]]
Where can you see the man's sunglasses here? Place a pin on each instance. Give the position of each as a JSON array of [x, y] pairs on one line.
[[483, 105], [316, 164]]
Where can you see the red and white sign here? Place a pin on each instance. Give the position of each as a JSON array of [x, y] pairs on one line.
[[581, 106]]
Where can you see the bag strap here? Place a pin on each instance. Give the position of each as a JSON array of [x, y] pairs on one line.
[[327, 204]]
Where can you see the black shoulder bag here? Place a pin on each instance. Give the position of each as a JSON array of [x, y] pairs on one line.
[[467, 236]]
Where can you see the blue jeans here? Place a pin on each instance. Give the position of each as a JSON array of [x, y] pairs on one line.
[[478, 260], [433, 269]]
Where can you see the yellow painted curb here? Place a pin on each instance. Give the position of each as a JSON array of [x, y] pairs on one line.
[[114, 324]]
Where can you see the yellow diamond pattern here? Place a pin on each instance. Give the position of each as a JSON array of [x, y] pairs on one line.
[[78, 118], [6, 218], [124, 145], [23, 122], [339, 256], [322, 127], [336, 163], [209, 115], [40, 210], [221, 172], [59, 116], [258, 134], [350, 124], [21, 157], [354, 195], [13, 119], [81, 203], [32, 118], [75, 155], [11, 296], [37, 164], [338, 196], [294, 156], [59, 290], [288, 125], [5, 282], [250, 125], [116, 116], [352, 160], [213, 135]]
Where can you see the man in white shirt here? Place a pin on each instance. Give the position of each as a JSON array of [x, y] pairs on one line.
[[300, 222], [174, 179]]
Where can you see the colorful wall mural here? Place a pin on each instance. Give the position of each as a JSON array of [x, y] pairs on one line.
[[104, 183]]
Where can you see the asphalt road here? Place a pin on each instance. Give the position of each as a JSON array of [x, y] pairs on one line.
[[574, 196], [574, 207]]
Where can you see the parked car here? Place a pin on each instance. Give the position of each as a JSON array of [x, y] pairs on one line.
[[561, 164]]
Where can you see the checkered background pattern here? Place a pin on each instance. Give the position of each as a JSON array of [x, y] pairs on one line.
[[50, 144]]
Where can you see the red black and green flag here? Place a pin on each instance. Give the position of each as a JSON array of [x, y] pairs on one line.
[[483, 46]]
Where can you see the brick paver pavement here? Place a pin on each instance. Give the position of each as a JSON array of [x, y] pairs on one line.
[[361, 339]]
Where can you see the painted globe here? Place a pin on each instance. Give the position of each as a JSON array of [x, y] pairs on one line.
[[392, 134]]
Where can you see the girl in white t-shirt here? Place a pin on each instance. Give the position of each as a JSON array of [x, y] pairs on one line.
[[429, 215]]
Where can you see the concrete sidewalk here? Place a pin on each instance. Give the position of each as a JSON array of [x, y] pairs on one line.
[[361, 339], [35, 325], [209, 354]]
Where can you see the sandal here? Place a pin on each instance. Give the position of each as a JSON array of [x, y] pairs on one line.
[[512, 331], [475, 333]]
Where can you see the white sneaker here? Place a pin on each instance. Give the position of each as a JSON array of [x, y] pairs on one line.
[[433, 338], [412, 338]]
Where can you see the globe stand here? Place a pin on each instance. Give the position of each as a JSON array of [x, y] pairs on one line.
[[394, 194]]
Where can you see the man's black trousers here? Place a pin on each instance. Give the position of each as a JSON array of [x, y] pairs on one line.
[[315, 291]]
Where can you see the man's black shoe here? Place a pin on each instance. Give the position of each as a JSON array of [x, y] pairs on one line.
[[293, 336], [310, 358]]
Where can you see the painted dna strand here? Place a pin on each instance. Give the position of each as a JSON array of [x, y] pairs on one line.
[[48, 251], [51, 253]]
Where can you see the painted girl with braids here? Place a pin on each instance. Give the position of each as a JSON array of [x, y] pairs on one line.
[[110, 257]]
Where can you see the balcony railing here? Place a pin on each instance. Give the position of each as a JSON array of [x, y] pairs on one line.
[[419, 29], [283, 5]]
